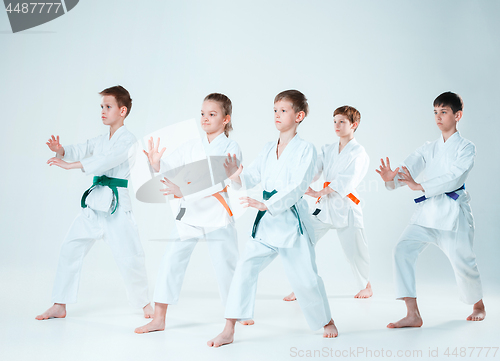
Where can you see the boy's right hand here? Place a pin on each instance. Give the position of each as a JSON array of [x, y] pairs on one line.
[[153, 155], [385, 171], [55, 146]]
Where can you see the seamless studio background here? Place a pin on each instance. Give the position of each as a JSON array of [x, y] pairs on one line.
[[389, 59]]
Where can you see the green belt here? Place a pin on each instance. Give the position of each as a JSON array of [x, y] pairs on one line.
[[260, 214], [107, 182]]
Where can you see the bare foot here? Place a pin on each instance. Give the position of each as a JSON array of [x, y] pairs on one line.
[[148, 311], [365, 293], [247, 322], [413, 320], [290, 297], [223, 338], [158, 324], [330, 330], [226, 336], [478, 312], [58, 310]]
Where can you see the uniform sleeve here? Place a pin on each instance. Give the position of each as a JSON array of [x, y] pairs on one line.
[[319, 164], [116, 155], [303, 173], [251, 175], [77, 152], [415, 163], [348, 179], [455, 177]]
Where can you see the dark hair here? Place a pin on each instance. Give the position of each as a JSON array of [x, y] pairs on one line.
[[449, 99], [121, 95], [350, 112], [227, 108], [298, 100]]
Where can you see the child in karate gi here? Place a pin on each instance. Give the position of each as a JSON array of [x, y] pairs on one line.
[[443, 215], [106, 209], [209, 218], [285, 169], [344, 165]]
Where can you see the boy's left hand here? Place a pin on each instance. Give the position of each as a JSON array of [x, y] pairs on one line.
[[250, 202], [406, 178], [64, 165], [311, 192]]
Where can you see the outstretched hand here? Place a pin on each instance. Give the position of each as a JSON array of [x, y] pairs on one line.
[[232, 170], [153, 155], [385, 171], [311, 192], [170, 188], [64, 165], [250, 202], [55, 146], [406, 178]]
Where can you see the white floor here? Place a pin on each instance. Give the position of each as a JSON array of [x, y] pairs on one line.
[[101, 328]]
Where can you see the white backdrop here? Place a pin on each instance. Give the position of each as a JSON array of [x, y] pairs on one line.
[[389, 59]]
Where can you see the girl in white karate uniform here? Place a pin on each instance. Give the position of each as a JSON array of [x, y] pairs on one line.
[[209, 217], [443, 216], [106, 208], [344, 165], [282, 226]]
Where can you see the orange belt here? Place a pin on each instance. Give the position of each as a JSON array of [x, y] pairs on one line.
[[350, 195], [223, 201], [220, 199]]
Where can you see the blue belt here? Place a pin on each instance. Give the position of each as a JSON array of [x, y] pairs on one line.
[[453, 195], [260, 214]]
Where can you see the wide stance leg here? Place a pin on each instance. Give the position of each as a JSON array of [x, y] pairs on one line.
[[458, 248], [355, 248], [241, 300], [80, 238], [299, 262], [411, 243], [223, 249], [123, 237]]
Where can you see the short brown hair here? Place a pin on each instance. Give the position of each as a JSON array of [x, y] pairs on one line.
[[121, 95], [350, 112], [298, 100], [226, 105], [449, 99]]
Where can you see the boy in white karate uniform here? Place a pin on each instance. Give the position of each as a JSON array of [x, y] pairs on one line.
[[285, 169], [443, 216], [344, 165], [106, 209], [207, 218]]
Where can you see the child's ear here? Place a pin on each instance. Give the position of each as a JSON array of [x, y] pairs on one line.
[[300, 116], [458, 115], [355, 125], [123, 111], [227, 119]]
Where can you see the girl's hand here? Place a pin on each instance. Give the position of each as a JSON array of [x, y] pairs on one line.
[[170, 188], [153, 155], [64, 165]]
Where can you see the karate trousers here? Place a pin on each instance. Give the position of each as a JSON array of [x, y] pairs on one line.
[[456, 245], [222, 247], [119, 230], [354, 245], [300, 268]]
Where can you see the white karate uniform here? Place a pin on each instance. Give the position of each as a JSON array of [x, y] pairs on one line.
[[344, 171], [109, 157], [203, 218], [278, 233], [440, 220]]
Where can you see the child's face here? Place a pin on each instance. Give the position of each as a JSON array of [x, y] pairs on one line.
[[212, 117], [446, 120], [343, 127], [111, 113], [285, 117]]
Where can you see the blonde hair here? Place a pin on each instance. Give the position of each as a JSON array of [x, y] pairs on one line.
[[227, 108]]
